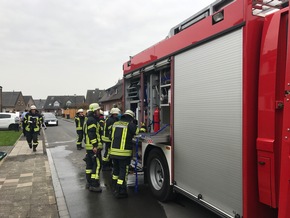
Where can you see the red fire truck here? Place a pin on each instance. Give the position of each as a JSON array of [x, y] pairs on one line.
[[214, 96]]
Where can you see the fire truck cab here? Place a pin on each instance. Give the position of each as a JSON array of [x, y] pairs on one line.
[[214, 96]]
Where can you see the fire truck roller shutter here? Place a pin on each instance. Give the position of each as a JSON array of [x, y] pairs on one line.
[[208, 142]]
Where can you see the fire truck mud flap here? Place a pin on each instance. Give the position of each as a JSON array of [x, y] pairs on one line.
[[158, 175]]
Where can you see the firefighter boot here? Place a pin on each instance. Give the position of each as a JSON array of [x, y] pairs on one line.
[[114, 185], [30, 145], [89, 182], [95, 187], [121, 192], [79, 147], [106, 166], [34, 148]]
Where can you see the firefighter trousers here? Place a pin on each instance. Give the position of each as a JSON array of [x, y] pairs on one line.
[[120, 170], [106, 157], [93, 168], [23, 128], [32, 139], [80, 134]]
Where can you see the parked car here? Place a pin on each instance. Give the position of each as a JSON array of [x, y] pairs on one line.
[[50, 119], [9, 121]]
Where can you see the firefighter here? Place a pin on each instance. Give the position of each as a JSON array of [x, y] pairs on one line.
[[79, 121], [102, 122], [32, 123], [107, 162], [22, 121], [123, 132], [94, 147], [143, 128]]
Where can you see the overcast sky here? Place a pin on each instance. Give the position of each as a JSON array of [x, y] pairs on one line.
[[65, 47]]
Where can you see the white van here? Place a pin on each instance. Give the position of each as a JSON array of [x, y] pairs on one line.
[[9, 121]]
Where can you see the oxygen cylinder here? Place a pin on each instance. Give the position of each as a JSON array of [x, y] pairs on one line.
[[156, 120]]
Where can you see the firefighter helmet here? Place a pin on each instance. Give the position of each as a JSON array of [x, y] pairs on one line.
[[80, 111], [115, 110], [32, 107], [101, 112], [94, 106], [130, 113]]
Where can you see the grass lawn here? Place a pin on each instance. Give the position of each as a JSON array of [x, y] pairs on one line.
[[8, 138]]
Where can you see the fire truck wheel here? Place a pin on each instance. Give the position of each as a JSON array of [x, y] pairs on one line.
[[158, 175]]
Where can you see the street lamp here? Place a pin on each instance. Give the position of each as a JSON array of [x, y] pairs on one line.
[[75, 100]]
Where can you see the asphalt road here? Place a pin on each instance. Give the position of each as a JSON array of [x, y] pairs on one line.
[[82, 203]]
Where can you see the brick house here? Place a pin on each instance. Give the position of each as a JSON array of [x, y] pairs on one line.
[[113, 97], [13, 101]]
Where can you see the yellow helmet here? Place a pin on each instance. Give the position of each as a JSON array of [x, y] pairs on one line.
[[94, 106], [130, 113], [115, 110]]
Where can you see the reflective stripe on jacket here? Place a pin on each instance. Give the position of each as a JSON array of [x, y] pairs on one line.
[[32, 122], [123, 132], [79, 121], [106, 137], [92, 132]]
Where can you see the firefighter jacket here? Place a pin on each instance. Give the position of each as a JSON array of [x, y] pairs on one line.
[[102, 124], [32, 122], [106, 137], [79, 121], [92, 132], [123, 132]]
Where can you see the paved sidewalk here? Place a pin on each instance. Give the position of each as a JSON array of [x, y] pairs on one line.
[[26, 186]]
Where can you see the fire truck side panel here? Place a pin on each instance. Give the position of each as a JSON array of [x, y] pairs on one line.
[[252, 42], [208, 122]]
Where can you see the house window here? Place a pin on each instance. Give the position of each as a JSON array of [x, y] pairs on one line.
[[56, 104], [68, 103]]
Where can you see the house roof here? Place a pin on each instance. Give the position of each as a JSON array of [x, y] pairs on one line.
[[39, 103], [9, 99], [113, 93], [94, 96], [27, 98], [56, 102]]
